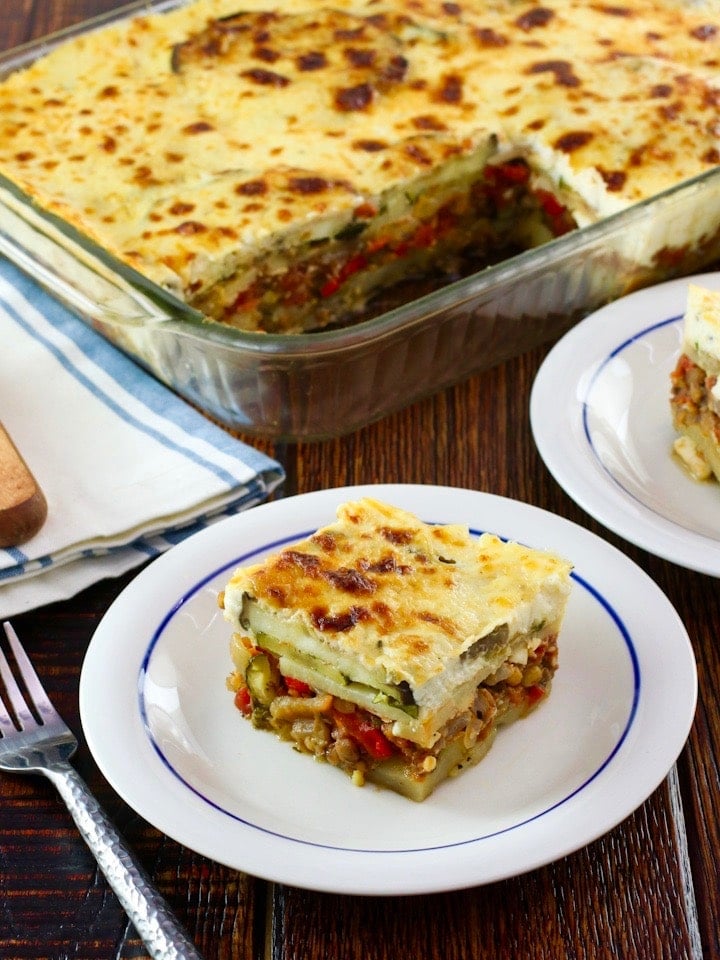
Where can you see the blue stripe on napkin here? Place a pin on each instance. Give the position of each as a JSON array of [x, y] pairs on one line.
[[242, 475], [131, 377]]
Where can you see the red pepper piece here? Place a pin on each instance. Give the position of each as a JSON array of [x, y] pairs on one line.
[[353, 265], [511, 172], [379, 243], [424, 236], [243, 701], [366, 211], [245, 300], [329, 287], [298, 687], [550, 203], [535, 693], [365, 734]]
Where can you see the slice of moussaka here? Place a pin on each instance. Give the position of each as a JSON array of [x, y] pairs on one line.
[[694, 386], [286, 166], [394, 649]]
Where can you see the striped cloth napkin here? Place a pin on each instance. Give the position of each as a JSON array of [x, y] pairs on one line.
[[128, 469]]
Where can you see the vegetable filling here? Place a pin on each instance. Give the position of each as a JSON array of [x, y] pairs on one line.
[[350, 737], [337, 279]]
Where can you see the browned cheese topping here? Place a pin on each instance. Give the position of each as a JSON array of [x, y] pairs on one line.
[[212, 146]]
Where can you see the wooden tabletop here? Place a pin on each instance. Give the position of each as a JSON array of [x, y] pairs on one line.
[[648, 889]]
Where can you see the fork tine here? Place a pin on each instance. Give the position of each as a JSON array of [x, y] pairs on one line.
[[17, 701], [31, 680], [7, 724]]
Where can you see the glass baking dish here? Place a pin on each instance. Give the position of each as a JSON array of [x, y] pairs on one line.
[[318, 385]]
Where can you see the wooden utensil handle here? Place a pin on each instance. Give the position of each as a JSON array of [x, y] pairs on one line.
[[23, 507]]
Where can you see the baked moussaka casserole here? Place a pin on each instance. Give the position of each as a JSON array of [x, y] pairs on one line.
[[394, 649], [695, 390], [282, 167]]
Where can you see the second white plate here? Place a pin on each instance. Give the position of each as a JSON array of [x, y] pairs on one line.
[[163, 729], [600, 416]]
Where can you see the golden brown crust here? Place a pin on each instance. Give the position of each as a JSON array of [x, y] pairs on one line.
[[196, 144], [409, 601]]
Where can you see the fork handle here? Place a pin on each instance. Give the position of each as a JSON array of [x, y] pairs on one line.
[[159, 929]]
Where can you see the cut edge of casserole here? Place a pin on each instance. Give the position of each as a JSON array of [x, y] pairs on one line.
[[395, 649], [695, 390]]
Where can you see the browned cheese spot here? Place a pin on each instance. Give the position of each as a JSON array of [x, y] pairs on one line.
[[251, 188], [180, 209], [573, 140], [338, 623], [200, 126], [614, 179], [671, 111], [369, 146], [350, 581], [428, 122], [265, 78], [314, 60], [395, 70], [487, 37], [266, 54], [189, 227], [387, 564], [308, 185], [418, 155], [537, 17], [325, 541], [398, 537], [306, 562], [707, 31], [360, 57], [614, 11], [561, 69], [143, 175], [450, 90], [661, 90], [354, 98]]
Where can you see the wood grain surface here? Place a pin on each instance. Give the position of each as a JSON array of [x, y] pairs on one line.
[[648, 889]]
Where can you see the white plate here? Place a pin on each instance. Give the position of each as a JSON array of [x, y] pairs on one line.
[[163, 729], [600, 415]]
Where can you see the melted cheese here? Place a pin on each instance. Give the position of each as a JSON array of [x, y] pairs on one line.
[[192, 142], [390, 600], [701, 329]]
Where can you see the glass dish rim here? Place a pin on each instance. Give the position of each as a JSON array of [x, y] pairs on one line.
[[178, 316]]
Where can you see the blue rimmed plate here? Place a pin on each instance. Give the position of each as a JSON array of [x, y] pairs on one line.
[[600, 416], [162, 727]]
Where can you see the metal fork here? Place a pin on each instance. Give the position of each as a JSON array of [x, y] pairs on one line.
[[35, 739]]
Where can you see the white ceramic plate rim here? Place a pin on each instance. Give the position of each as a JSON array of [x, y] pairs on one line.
[[564, 392], [462, 846]]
